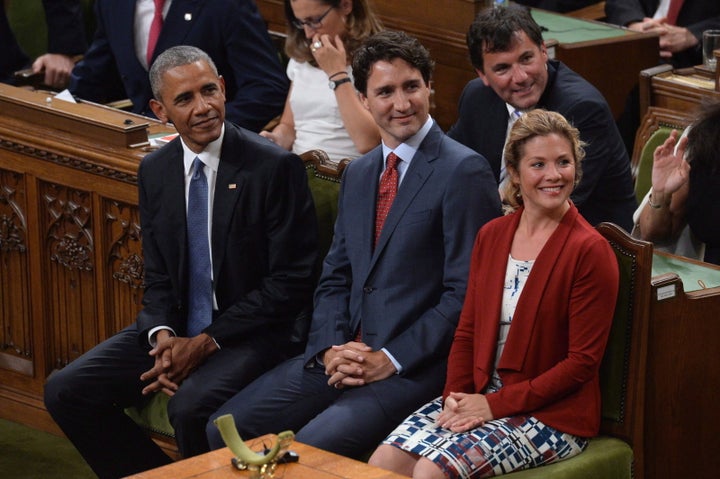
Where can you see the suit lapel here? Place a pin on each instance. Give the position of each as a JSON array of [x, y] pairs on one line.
[[417, 174], [228, 186]]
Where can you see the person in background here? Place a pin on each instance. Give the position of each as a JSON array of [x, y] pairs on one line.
[[66, 41], [394, 280], [229, 240], [131, 34], [323, 109], [522, 385], [679, 213], [679, 24], [507, 50]]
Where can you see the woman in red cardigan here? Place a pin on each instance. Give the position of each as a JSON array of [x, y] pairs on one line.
[[522, 386]]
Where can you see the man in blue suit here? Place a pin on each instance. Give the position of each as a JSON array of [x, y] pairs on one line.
[[386, 308], [507, 50], [230, 31]]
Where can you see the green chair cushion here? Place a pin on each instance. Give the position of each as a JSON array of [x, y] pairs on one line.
[[153, 416], [643, 175], [605, 458]]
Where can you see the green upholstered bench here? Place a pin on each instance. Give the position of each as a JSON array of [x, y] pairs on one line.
[[617, 452], [324, 182], [695, 275]]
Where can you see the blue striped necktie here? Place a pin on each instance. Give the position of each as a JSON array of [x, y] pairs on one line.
[[200, 294]]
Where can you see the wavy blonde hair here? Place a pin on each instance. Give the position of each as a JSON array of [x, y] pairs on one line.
[[534, 123]]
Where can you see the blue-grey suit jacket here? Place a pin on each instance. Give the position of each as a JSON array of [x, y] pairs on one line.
[[408, 292], [230, 31]]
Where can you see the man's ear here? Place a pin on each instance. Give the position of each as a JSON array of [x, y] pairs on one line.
[[482, 76], [346, 7], [222, 84], [364, 101], [159, 110]]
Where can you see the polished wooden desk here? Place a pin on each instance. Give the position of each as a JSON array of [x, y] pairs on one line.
[[682, 90], [313, 464]]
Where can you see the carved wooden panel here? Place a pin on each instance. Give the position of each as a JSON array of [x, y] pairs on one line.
[[123, 258], [66, 216], [16, 351]]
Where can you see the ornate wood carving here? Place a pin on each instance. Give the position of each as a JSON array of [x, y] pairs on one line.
[[15, 328]]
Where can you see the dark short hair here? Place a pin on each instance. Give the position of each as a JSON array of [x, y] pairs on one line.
[[704, 138], [175, 57], [387, 46], [494, 30]]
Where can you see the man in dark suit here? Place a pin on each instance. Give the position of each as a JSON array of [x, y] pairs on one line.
[[391, 289], [230, 31], [508, 53], [680, 29], [261, 251], [66, 40]]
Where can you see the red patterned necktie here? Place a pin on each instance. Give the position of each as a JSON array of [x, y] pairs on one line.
[[386, 193], [673, 11], [155, 28]]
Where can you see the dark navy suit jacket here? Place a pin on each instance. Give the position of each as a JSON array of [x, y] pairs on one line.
[[605, 192], [695, 15], [264, 240], [230, 31]]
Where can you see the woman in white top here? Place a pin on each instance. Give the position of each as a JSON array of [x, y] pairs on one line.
[[323, 109]]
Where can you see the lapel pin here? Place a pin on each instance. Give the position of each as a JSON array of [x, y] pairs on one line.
[[188, 17], [232, 186]]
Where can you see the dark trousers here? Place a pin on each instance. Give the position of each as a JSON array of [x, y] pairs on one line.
[[350, 422], [87, 398]]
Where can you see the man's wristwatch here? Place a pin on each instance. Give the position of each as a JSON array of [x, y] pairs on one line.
[[336, 83]]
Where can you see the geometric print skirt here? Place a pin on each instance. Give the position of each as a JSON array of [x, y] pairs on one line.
[[498, 447]]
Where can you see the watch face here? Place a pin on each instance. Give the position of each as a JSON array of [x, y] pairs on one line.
[[335, 83]]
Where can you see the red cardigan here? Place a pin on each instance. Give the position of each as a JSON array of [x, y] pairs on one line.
[[550, 363]]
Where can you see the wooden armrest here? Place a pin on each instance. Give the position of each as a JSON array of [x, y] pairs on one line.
[[591, 12]]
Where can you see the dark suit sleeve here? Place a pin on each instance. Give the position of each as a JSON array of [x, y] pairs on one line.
[[66, 27], [622, 12], [95, 77], [288, 253], [161, 304], [470, 200], [261, 85]]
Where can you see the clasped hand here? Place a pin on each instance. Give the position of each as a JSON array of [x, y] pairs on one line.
[[462, 412], [356, 364], [175, 359]]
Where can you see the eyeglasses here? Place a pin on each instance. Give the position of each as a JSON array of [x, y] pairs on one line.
[[313, 23]]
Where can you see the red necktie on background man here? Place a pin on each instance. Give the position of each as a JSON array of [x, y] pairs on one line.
[[673, 11], [155, 28]]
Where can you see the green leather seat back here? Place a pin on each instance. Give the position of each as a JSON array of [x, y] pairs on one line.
[[643, 175]]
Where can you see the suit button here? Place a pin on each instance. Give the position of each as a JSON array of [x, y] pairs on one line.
[[368, 289]]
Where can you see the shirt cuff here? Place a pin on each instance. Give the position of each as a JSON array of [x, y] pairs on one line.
[[392, 359], [151, 334]]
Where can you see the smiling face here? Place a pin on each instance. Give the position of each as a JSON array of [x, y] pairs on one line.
[[398, 99], [518, 75], [192, 97], [545, 174]]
